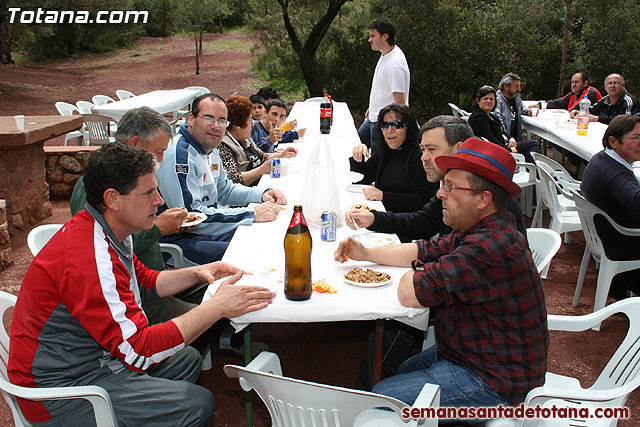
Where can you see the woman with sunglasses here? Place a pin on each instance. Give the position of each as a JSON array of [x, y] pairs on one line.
[[486, 125], [395, 166], [243, 161]]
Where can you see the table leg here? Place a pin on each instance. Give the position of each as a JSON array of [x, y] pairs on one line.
[[248, 404], [377, 363]]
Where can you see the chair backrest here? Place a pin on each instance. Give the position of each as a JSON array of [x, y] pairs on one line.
[[549, 189], [7, 301], [85, 107], [293, 402], [555, 169], [315, 99], [98, 128], [201, 89], [102, 99], [544, 244], [518, 157], [458, 112], [39, 236], [587, 212], [124, 94], [66, 109]]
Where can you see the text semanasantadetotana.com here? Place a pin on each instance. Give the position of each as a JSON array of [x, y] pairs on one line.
[[518, 412], [44, 16]]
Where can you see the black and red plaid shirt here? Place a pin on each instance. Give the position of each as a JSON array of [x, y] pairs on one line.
[[487, 303]]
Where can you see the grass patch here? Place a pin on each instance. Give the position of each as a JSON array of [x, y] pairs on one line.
[[227, 45]]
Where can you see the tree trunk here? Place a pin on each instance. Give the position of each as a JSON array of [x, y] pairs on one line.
[[200, 47], [220, 23], [565, 42], [195, 39], [5, 41], [306, 54]]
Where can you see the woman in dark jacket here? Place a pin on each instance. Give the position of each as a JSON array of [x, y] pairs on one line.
[[483, 122], [395, 167]]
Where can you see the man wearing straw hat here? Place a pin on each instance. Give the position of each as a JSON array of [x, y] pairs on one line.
[[482, 287]]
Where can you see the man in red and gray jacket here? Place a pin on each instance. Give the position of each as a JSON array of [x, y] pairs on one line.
[[579, 88]]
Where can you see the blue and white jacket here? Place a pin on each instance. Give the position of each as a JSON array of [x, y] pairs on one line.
[[194, 179]]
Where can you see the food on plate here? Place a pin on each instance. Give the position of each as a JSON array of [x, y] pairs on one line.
[[360, 206], [322, 286], [191, 217], [362, 275], [335, 256]]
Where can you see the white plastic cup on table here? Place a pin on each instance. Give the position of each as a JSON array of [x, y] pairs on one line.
[[534, 112], [284, 167], [556, 118], [19, 122], [543, 105]]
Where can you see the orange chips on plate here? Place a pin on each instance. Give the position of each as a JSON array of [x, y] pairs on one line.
[[322, 286]]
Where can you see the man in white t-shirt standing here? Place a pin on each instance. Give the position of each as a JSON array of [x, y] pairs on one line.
[[390, 79]]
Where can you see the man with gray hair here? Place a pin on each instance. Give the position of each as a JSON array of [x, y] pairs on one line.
[[509, 111], [617, 102]]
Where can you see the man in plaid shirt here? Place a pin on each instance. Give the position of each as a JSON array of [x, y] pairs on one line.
[[481, 285]]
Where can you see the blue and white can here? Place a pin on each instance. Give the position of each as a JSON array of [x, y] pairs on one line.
[[275, 168], [328, 221]]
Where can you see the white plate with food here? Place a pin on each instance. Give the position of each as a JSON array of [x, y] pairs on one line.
[[373, 240], [366, 278], [273, 272], [356, 188], [193, 218]]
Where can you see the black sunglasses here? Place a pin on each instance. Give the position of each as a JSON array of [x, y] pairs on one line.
[[396, 124]]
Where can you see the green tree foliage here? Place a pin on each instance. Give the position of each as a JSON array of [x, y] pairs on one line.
[[455, 46]]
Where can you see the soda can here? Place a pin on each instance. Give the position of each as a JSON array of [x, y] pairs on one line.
[[275, 168], [328, 221]]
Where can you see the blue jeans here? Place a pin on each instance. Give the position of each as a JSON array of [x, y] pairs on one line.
[[368, 134], [459, 386]]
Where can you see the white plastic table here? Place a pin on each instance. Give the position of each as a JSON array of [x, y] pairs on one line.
[[260, 246], [163, 101]]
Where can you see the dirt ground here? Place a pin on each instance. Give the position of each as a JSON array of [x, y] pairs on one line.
[[327, 353]]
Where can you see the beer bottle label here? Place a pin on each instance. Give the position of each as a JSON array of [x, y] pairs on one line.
[[296, 219]]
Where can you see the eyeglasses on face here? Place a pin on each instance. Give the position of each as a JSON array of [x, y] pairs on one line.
[[396, 124], [448, 187], [634, 138], [211, 120]]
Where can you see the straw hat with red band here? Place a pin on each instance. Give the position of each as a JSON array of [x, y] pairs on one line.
[[485, 159]]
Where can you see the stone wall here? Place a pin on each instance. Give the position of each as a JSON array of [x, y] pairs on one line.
[[5, 247], [64, 166]]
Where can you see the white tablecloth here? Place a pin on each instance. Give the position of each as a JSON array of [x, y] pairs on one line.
[[163, 101], [261, 245]]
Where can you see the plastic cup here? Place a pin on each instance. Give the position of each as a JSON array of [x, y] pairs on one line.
[[534, 112], [19, 122], [284, 167], [543, 105], [556, 118]]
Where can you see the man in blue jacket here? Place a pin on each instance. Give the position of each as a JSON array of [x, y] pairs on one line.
[[191, 175]]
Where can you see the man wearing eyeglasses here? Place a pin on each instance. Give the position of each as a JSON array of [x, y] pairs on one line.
[[191, 175], [609, 182], [481, 284], [617, 102]]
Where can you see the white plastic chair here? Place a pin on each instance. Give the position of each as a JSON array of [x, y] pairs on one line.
[[102, 99], [459, 112], [201, 89], [96, 396], [66, 109], [562, 220], [614, 384], [85, 107], [525, 177], [40, 235], [544, 244], [297, 403], [124, 94], [564, 179], [594, 248], [98, 129]]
